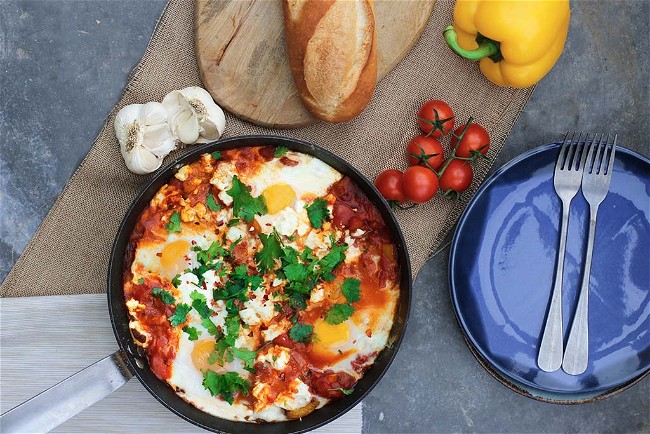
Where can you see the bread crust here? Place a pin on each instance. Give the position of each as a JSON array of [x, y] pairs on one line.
[[332, 51]]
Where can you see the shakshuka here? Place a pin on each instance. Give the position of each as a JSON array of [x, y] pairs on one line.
[[261, 283]]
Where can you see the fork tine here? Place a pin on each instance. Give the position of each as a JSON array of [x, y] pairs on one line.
[[610, 160], [565, 145], [585, 151], [573, 150], [589, 164], [599, 164]]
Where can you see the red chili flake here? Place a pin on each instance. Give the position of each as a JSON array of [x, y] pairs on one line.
[[369, 333], [193, 243], [159, 254]]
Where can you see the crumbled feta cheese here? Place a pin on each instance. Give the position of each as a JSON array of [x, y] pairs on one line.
[[317, 241], [358, 233], [298, 399], [225, 197], [317, 295], [249, 316], [275, 330], [211, 279], [277, 282], [278, 357], [234, 233]]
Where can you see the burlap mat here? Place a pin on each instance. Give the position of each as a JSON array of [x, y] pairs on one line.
[[69, 252]]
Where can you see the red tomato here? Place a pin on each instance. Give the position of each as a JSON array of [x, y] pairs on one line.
[[475, 140], [457, 176], [420, 147], [389, 184], [420, 184], [436, 118]]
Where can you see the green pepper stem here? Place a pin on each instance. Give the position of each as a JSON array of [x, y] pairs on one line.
[[486, 48]]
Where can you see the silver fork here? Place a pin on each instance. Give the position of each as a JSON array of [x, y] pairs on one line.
[[595, 185], [566, 180]]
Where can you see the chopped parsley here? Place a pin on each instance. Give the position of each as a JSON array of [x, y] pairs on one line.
[[141, 281], [246, 356], [317, 212], [351, 289], [233, 222], [165, 296], [211, 203], [332, 260], [216, 155], [180, 314], [338, 313], [209, 255], [174, 224], [200, 305], [345, 391], [271, 251], [225, 385], [280, 151], [176, 281], [193, 333], [301, 332], [245, 206], [210, 327]]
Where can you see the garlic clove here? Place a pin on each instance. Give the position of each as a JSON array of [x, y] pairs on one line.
[[140, 160], [125, 131], [195, 102], [153, 113], [159, 139], [187, 127]]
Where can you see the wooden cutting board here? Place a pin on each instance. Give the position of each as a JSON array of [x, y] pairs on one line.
[[242, 58]]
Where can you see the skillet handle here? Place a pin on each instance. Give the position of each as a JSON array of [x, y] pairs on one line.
[[51, 408]]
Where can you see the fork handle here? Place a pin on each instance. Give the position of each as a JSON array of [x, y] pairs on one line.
[[576, 355], [550, 350]]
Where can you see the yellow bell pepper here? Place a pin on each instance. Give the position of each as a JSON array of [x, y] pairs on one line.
[[516, 41]]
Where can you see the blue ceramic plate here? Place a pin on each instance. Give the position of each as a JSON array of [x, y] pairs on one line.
[[503, 261]]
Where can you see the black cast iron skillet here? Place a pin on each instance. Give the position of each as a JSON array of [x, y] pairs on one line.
[[52, 407]]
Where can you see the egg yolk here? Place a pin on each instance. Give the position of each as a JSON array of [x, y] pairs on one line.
[[172, 257], [329, 335], [201, 353], [278, 197]]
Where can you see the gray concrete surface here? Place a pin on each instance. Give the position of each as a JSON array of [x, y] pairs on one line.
[[64, 63]]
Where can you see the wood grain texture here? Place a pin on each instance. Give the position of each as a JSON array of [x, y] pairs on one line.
[[43, 340], [241, 54]]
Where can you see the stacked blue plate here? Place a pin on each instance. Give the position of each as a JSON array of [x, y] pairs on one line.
[[502, 267]]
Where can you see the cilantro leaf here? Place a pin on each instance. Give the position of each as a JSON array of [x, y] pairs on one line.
[[176, 281], [165, 296], [180, 314], [200, 305], [208, 256], [211, 203], [216, 155], [210, 327], [225, 385], [280, 151], [301, 332], [338, 313], [317, 212], [271, 251], [246, 356], [345, 391], [332, 260], [174, 224], [245, 206], [192, 332], [351, 289], [295, 272], [141, 281], [233, 222]]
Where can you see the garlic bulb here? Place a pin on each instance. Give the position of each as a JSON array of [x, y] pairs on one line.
[[193, 115], [144, 136]]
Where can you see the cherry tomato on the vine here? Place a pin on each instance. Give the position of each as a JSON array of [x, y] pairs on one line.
[[436, 118], [420, 184], [457, 176], [423, 148], [389, 183], [476, 139]]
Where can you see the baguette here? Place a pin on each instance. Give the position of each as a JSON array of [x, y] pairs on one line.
[[332, 50]]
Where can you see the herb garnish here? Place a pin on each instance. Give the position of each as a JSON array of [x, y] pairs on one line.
[[280, 151], [180, 314], [174, 224], [216, 155], [165, 296], [245, 206], [301, 332], [225, 385], [193, 333], [351, 289], [339, 313], [317, 212], [271, 251], [211, 203]]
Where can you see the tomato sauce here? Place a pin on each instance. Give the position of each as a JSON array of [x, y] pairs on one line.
[[163, 341]]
